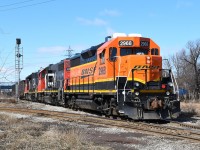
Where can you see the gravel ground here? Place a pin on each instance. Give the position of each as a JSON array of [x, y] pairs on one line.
[[116, 138], [195, 121]]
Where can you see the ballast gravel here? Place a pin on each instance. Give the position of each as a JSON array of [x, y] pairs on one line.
[[113, 137]]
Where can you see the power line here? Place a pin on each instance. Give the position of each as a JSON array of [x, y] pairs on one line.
[[69, 52], [5, 60], [16, 3], [27, 5], [5, 76], [8, 79]]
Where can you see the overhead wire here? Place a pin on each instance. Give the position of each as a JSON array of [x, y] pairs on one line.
[[17, 3], [4, 62], [8, 71], [29, 5], [12, 8]]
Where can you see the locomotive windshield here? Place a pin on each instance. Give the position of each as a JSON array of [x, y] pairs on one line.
[[133, 51]]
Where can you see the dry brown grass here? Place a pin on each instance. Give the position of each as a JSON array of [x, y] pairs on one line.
[[7, 99], [192, 108], [24, 134]]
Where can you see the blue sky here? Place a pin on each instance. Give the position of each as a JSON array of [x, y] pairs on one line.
[[48, 27]]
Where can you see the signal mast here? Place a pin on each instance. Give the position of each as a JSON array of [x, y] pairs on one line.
[[18, 65]]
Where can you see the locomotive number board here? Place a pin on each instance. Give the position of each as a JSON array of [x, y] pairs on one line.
[[126, 43], [144, 43]]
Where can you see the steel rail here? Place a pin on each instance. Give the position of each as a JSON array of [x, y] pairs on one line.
[[141, 126]]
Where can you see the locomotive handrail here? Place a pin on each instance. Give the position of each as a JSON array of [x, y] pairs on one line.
[[175, 84], [118, 69], [145, 69], [116, 87], [126, 83]]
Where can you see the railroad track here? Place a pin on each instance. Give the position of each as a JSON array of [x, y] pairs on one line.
[[176, 132], [185, 125]]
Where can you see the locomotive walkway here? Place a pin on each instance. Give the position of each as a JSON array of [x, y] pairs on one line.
[[183, 131]]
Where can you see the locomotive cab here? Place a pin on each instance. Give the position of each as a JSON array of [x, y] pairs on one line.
[[132, 66]]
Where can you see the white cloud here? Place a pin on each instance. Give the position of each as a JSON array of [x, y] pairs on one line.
[[61, 50], [109, 31], [52, 50], [183, 4], [111, 13], [95, 22], [78, 48]]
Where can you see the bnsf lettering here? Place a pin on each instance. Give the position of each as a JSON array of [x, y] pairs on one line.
[[87, 71], [145, 67], [102, 70]]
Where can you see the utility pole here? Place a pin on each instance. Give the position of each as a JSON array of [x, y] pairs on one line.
[[69, 52], [18, 66]]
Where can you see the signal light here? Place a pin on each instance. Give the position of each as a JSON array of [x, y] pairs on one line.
[[163, 86], [170, 84]]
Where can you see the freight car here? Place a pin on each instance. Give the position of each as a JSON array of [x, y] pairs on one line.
[[123, 76], [31, 86], [21, 89], [52, 80]]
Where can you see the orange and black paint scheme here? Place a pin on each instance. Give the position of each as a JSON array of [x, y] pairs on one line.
[[123, 76]]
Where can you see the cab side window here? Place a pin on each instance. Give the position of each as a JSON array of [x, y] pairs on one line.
[[154, 51], [126, 51], [112, 53], [102, 57]]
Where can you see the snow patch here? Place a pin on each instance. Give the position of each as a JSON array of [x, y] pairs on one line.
[[111, 130], [19, 116]]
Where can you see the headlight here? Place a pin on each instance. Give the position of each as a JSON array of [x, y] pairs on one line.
[[137, 84], [137, 93], [167, 93], [170, 84]]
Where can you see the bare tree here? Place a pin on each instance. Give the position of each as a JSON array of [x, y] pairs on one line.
[[192, 59], [186, 66], [176, 62], [180, 68]]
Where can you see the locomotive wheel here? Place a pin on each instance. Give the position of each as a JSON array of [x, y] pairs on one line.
[[71, 102], [55, 101], [170, 113], [66, 103], [107, 110]]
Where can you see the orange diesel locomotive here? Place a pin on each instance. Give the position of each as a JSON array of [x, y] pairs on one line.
[[123, 76]]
